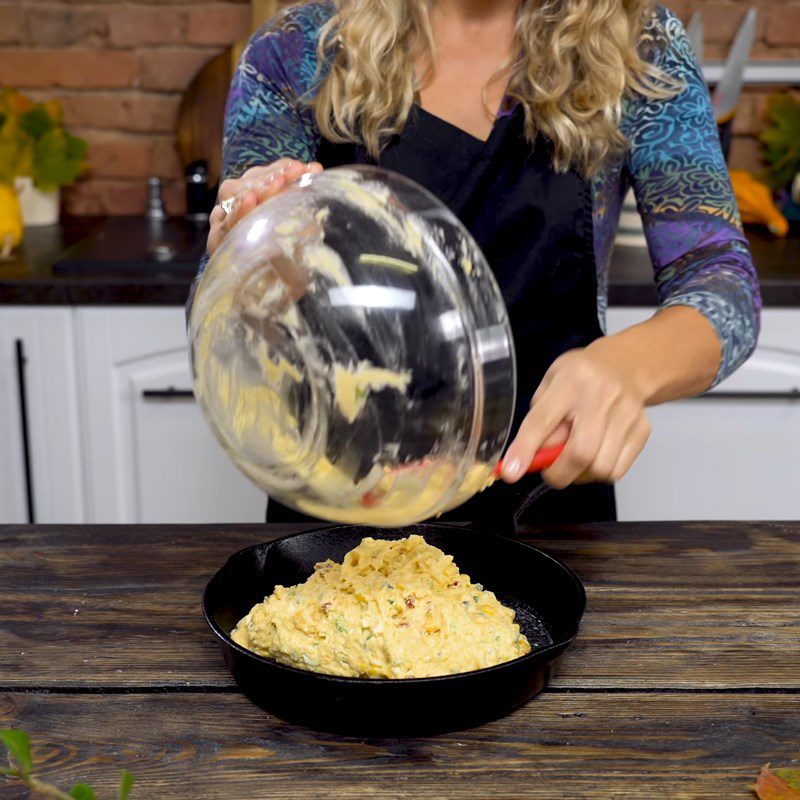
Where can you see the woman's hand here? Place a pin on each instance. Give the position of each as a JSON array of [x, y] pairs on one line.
[[594, 398], [256, 186], [597, 407]]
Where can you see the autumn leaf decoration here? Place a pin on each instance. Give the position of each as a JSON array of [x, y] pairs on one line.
[[781, 140], [34, 143], [781, 784]]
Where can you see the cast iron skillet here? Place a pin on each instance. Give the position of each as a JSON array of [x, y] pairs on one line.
[[547, 596]]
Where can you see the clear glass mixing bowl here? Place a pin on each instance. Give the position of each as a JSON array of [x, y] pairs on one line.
[[352, 352]]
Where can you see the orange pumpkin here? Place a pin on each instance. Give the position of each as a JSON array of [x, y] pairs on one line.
[[756, 203]]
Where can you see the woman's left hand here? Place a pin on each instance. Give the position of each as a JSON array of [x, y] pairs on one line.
[[589, 401]]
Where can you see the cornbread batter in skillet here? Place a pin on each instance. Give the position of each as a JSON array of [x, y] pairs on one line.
[[392, 609]]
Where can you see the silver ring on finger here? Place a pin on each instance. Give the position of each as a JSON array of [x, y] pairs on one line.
[[227, 205]]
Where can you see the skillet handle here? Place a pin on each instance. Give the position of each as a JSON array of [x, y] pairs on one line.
[[543, 459], [507, 524]]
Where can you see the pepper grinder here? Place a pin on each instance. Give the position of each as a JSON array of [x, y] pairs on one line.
[[198, 200]]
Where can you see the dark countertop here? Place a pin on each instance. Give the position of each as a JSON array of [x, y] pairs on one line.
[[121, 243], [682, 683], [777, 262], [135, 278]]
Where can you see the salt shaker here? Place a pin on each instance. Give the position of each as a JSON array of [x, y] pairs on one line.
[[155, 200]]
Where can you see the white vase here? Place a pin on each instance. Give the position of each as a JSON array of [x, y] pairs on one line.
[[38, 207]]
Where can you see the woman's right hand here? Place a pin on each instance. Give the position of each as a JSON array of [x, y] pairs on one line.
[[249, 191]]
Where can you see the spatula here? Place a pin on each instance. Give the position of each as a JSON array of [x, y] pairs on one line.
[[543, 459]]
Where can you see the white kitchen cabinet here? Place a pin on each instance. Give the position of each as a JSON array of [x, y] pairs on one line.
[[112, 439], [149, 457], [732, 454], [39, 407]]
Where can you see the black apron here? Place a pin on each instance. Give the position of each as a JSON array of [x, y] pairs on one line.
[[534, 226]]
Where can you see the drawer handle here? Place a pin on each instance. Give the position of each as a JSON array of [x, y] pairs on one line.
[[792, 394], [170, 393], [22, 361]]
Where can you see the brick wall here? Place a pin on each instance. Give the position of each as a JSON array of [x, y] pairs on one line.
[[120, 69], [778, 38]]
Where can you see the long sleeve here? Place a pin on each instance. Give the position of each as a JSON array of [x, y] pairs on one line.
[[267, 116], [682, 185]]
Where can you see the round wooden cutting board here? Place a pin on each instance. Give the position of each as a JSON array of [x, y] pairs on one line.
[[202, 111]]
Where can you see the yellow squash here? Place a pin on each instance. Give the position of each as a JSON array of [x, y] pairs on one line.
[[756, 204], [10, 220]]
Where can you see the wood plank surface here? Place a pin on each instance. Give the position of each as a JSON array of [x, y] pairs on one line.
[[688, 606], [642, 746]]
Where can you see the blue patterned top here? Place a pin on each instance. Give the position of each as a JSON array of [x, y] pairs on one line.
[[675, 166]]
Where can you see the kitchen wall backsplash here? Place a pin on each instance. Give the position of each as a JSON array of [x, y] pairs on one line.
[[120, 70]]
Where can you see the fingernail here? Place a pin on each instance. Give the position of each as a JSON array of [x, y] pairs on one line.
[[512, 468]]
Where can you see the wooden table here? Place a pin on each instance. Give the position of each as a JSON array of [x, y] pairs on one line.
[[684, 681]]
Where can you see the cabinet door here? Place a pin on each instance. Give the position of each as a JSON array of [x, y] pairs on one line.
[[732, 454], [151, 458], [40, 444], [13, 480]]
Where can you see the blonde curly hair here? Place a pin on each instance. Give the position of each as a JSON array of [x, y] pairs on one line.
[[572, 65]]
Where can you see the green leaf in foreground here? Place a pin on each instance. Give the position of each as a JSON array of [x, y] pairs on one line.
[[82, 791], [125, 785], [19, 747]]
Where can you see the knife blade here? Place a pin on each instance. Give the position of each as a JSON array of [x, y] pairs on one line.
[[726, 96], [695, 30]]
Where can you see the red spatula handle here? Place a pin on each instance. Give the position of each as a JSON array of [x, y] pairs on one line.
[[543, 459]]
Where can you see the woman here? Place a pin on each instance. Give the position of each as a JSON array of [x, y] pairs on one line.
[[530, 119]]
